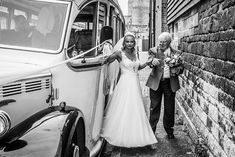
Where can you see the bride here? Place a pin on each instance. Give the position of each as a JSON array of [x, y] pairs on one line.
[[125, 121]]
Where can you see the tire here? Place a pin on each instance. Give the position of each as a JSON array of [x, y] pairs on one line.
[[76, 142]]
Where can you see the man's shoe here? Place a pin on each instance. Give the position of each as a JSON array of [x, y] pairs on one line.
[[171, 136]]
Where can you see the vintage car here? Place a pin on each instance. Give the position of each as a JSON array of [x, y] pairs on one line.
[[53, 83]]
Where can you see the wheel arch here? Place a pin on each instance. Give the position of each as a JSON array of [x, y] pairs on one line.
[[73, 134]]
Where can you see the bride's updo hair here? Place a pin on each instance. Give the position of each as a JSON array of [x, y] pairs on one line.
[[124, 39]]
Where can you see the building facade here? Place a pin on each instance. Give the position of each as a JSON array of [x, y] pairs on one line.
[[137, 22], [205, 31], [157, 20]]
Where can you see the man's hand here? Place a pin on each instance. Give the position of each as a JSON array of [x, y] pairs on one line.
[[155, 62], [168, 59]]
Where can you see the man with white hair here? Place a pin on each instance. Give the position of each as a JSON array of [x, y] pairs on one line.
[[161, 82]]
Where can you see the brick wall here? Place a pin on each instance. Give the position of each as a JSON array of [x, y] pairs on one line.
[[207, 93]]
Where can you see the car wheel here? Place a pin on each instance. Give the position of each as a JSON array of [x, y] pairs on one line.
[[76, 146]]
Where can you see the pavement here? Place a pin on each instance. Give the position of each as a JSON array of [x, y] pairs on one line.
[[181, 146]]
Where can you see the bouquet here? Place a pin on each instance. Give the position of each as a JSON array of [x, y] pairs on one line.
[[176, 65]]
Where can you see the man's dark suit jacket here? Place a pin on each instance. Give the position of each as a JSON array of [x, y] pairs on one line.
[[157, 71]]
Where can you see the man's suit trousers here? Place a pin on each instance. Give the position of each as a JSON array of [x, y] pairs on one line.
[[169, 106]]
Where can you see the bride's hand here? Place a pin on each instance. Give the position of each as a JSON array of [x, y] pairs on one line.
[[105, 60]]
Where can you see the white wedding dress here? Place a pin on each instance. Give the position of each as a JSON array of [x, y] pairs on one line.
[[125, 121]]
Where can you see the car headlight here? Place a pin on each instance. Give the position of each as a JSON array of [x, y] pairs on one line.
[[5, 122]]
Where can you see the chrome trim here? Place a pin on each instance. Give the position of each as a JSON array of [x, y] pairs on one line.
[[7, 120], [95, 150], [75, 151]]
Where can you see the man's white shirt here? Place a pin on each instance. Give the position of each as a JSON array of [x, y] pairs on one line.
[[166, 73]]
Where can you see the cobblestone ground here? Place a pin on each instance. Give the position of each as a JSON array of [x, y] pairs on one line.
[[181, 146]]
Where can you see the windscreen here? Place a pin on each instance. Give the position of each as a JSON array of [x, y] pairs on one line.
[[32, 24]]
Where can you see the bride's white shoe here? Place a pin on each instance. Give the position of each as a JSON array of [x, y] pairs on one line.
[[153, 146]]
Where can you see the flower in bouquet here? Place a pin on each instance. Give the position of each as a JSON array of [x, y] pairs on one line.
[[174, 61], [176, 65]]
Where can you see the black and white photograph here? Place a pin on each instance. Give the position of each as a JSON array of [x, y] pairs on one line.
[[117, 78]]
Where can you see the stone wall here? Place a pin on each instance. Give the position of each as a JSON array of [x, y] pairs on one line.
[[206, 35]]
